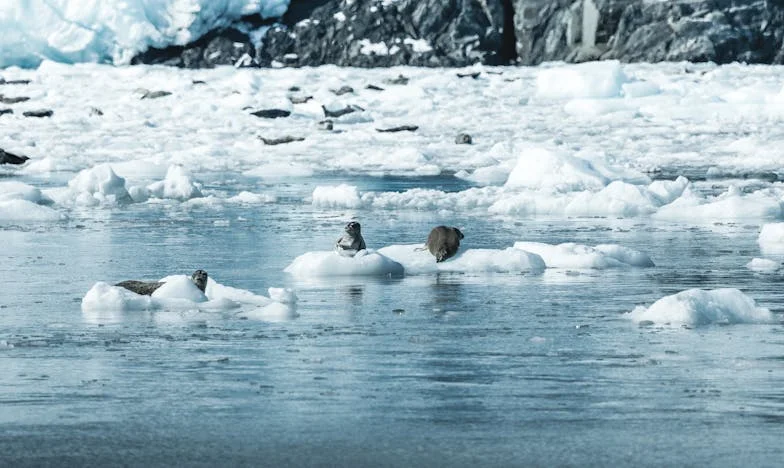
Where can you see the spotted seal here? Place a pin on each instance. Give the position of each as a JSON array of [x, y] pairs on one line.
[[351, 241], [146, 288], [443, 242]]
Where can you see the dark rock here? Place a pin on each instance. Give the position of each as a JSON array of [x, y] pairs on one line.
[[271, 113], [96, 111], [343, 90], [294, 89], [300, 99], [371, 33], [373, 87], [219, 47], [463, 139], [281, 140], [398, 80], [6, 111], [341, 112], [39, 113], [473, 75], [155, 94], [198, 82], [10, 158], [326, 125], [401, 128], [13, 100]]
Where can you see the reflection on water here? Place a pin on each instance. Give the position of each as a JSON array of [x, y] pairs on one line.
[[513, 368]]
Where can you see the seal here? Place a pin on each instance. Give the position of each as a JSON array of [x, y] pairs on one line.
[[351, 241], [443, 242], [146, 288]]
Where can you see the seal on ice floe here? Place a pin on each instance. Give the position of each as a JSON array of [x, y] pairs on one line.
[[351, 241], [146, 288], [443, 242]]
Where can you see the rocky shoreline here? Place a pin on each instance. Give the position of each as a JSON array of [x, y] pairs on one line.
[[455, 33]]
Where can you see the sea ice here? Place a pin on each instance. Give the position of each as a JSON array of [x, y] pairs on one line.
[[763, 265], [578, 256], [697, 307], [586, 80], [417, 260], [771, 238], [330, 263]]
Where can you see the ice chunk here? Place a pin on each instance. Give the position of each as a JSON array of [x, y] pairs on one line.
[[103, 296], [578, 256], [699, 307], [417, 260], [25, 210], [771, 238], [95, 186], [586, 80], [13, 190], [763, 265], [730, 205], [329, 263], [538, 168], [340, 196], [179, 287], [177, 185]]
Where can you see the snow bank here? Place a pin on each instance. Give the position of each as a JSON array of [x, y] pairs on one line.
[[700, 307], [771, 238], [329, 263], [112, 30], [179, 293], [578, 256], [417, 261], [586, 80]]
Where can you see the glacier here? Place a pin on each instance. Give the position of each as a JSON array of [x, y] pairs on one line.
[[112, 31]]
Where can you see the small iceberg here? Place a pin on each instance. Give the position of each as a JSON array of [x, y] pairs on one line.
[[418, 261], [578, 256], [698, 307], [329, 263]]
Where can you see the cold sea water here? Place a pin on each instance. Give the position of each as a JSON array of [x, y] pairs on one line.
[[445, 369]]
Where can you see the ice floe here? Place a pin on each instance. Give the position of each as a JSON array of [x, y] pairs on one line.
[[698, 307], [331, 264], [771, 238], [416, 260], [578, 256]]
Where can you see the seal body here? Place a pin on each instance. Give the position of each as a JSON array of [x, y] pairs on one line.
[[351, 241], [146, 288], [443, 242]]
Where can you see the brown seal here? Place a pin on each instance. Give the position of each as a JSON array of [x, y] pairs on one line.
[[443, 242]]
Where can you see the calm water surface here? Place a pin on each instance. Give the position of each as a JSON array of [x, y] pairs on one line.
[[432, 370]]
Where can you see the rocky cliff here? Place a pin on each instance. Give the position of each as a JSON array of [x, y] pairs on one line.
[[377, 33]]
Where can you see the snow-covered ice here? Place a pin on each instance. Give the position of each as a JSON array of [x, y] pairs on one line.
[[698, 307]]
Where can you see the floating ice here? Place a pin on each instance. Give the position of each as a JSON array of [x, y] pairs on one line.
[[95, 186], [177, 185], [578, 256], [329, 263], [341, 196], [539, 168], [586, 80], [417, 260], [733, 204], [771, 238], [763, 265], [112, 30], [250, 198], [25, 210], [180, 293], [13, 190], [699, 307]]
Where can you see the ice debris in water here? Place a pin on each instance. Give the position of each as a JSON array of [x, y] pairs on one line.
[[571, 255], [763, 265], [698, 307]]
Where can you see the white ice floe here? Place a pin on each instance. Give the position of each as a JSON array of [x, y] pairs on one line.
[[578, 256], [16, 210], [176, 186], [416, 260], [112, 30], [180, 293], [763, 265], [331, 264], [771, 238], [99, 185], [732, 204], [340, 196], [250, 198], [586, 80], [697, 307]]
